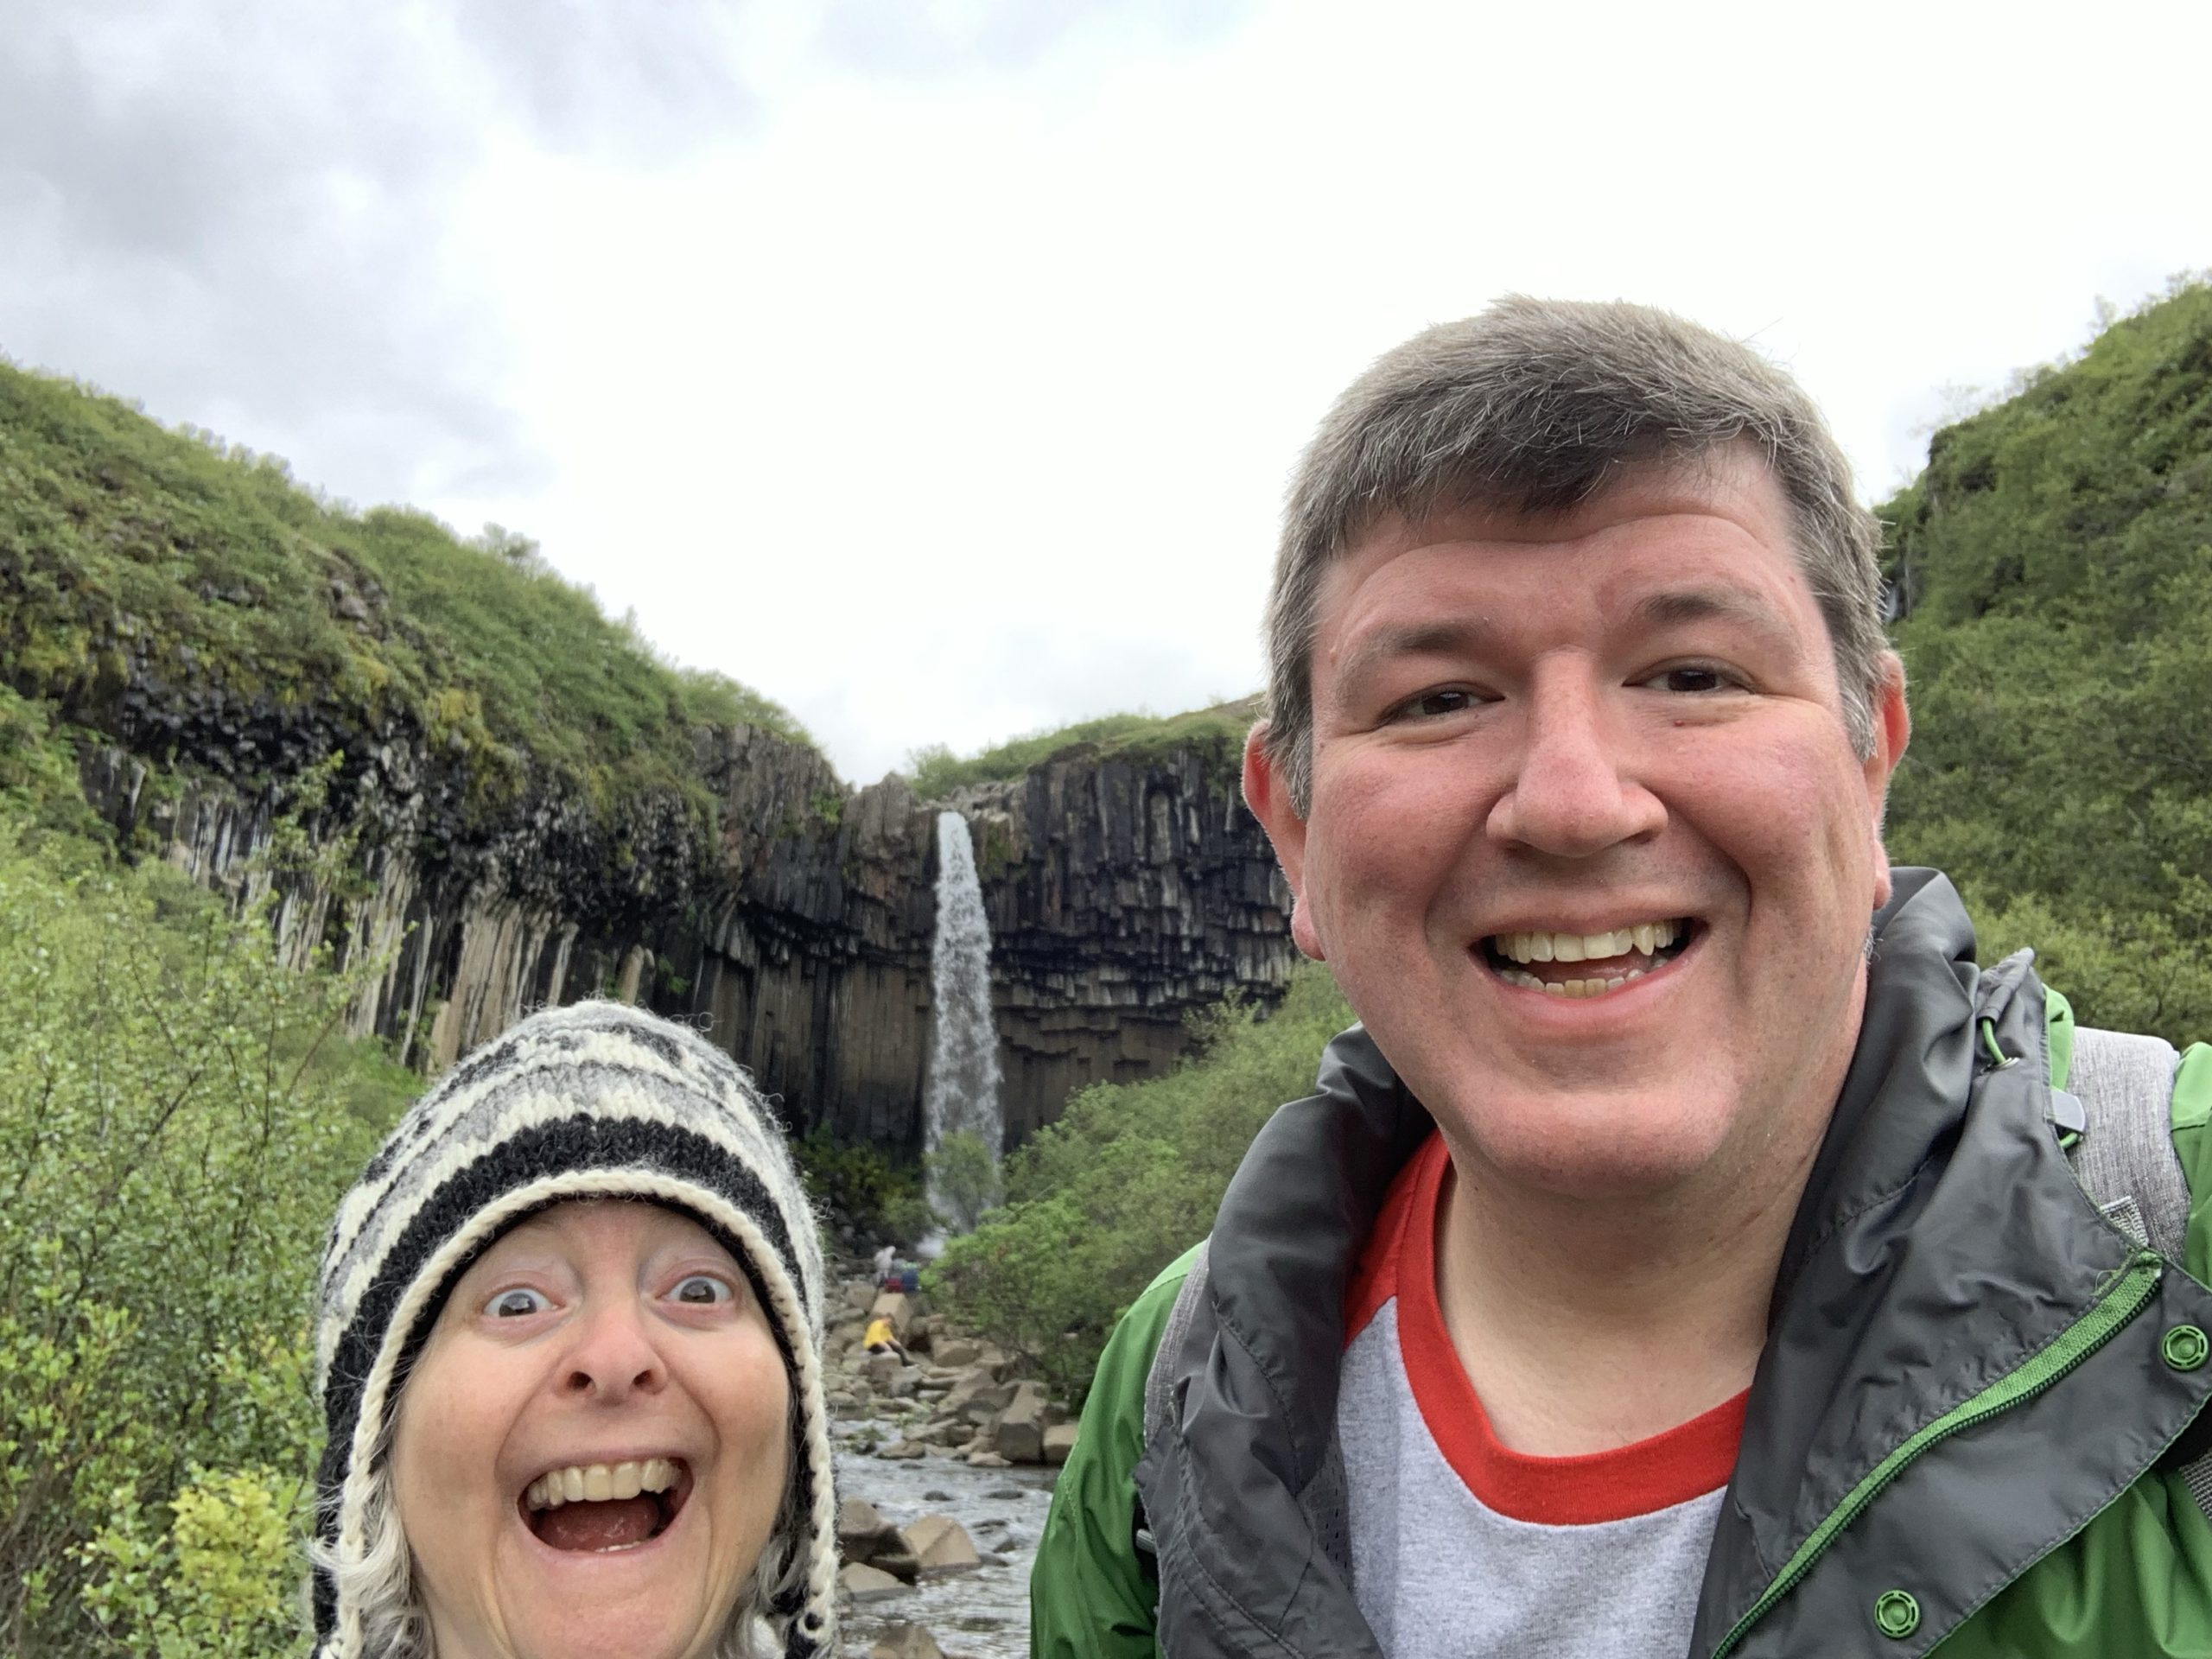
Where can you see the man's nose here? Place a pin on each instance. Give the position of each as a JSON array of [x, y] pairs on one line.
[[613, 1356], [1575, 789]]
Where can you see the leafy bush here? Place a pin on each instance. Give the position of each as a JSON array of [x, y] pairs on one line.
[[1128, 1179], [864, 1196], [963, 1180], [179, 1114]]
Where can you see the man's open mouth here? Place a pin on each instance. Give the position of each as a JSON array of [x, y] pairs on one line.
[[594, 1508], [1586, 964]]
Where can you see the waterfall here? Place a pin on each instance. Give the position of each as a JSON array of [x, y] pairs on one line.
[[961, 1097]]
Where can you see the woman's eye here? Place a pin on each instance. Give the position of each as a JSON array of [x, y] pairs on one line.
[[702, 1288], [516, 1304]]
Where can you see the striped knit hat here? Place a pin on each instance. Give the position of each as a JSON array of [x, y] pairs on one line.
[[596, 1100]]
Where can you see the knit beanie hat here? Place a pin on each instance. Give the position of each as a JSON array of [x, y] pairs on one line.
[[597, 1100]]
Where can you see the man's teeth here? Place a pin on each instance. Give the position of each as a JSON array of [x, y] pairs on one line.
[[598, 1483], [1644, 936], [1569, 987]]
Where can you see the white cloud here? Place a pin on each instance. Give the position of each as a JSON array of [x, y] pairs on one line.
[[943, 386]]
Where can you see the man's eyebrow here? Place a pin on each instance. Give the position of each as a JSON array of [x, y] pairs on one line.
[[1443, 637], [1673, 607]]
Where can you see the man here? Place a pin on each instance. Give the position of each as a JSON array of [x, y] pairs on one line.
[[1671, 1263]]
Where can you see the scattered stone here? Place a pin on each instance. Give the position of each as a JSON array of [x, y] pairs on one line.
[[942, 1544], [904, 1641], [987, 1460], [903, 1451], [1059, 1440], [863, 1536], [956, 1353], [1019, 1435], [865, 1583], [933, 1496], [997, 1495]]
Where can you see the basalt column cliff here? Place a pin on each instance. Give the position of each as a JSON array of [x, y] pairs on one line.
[[1122, 893]]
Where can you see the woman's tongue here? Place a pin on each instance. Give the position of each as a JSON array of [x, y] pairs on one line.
[[588, 1526]]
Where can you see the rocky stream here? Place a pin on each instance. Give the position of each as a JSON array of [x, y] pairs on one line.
[[946, 1457]]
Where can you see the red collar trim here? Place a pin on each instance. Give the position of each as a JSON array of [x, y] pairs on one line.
[[1686, 1462]]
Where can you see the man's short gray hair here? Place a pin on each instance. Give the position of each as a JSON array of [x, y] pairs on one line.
[[1534, 406]]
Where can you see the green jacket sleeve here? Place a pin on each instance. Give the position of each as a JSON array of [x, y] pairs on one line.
[[1090, 1594]]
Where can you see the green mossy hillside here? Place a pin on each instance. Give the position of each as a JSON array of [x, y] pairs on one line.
[[194, 600], [2055, 560]]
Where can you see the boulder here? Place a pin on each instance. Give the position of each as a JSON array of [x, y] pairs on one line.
[[1059, 1440], [864, 1536], [955, 1353], [904, 1641], [1019, 1435], [865, 1583], [942, 1544]]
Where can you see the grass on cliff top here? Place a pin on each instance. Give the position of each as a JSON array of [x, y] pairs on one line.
[[1218, 731], [118, 536]]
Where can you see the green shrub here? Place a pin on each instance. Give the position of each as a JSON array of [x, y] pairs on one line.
[[963, 1180], [864, 1195], [179, 1114]]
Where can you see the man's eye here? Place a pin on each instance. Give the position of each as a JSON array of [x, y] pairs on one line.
[[703, 1289], [516, 1304], [1693, 678], [1445, 700]]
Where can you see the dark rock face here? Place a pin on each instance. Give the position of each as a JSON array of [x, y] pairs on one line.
[[1122, 896]]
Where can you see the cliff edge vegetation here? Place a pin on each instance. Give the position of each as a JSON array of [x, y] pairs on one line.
[[191, 599], [1217, 732]]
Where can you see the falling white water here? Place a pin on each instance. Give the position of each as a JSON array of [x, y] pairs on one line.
[[962, 1091]]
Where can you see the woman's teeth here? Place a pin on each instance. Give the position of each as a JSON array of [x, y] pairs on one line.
[[600, 1483]]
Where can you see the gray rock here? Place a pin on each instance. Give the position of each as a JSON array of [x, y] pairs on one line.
[[942, 1544], [865, 1583], [905, 1641]]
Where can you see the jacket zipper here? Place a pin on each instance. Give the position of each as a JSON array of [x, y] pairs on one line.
[[2127, 1293]]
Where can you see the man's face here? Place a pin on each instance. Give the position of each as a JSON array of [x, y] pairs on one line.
[[1621, 721]]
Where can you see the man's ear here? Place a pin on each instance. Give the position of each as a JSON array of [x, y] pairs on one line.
[[1892, 731], [1267, 791]]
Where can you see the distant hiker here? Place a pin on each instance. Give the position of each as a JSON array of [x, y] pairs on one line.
[[1694, 1249], [885, 1259], [878, 1339], [569, 1345]]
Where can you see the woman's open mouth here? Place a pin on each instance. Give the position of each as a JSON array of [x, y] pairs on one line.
[[594, 1508], [1586, 964]]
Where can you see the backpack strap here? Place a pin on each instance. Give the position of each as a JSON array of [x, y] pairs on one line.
[[1159, 1386], [1159, 1399], [2125, 1160]]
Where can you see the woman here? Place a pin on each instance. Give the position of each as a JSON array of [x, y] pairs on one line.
[[569, 1343]]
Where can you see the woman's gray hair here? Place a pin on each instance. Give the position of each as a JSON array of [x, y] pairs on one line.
[[396, 1625], [1534, 406]]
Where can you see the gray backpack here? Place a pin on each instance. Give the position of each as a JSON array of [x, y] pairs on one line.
[[2121, 1084]]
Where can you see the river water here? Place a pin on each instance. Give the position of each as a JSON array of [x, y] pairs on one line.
[[979, 1615]]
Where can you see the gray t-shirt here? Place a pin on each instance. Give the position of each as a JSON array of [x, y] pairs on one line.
[[1462, 1549]]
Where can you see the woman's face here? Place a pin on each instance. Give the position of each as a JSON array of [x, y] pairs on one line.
[[612, 1353]]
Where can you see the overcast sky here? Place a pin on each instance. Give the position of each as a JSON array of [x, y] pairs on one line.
[[934, 365]]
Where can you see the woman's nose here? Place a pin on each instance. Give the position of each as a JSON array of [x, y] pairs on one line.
[[615, 1357], [1575, 789]]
